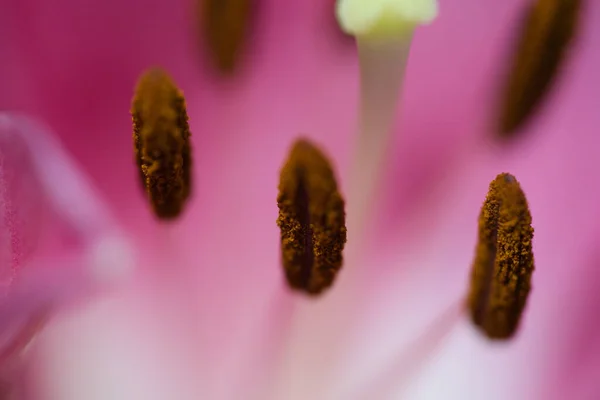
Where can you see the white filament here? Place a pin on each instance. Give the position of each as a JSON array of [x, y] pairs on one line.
[[382, 66]]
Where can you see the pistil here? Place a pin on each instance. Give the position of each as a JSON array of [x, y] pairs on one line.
[[383, 31]]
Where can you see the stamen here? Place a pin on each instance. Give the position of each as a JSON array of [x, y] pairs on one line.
[[225, 25], [501, 275], [161, 142], [311, 219], [383, 30], [548, 29]]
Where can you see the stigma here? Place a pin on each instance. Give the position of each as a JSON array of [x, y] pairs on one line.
[[311, 219], [384, 18], [503, 265], [161, 140]]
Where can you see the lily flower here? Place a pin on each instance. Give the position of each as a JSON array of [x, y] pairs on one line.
[[208, 312]]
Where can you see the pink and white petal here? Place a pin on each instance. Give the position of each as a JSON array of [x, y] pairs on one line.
[[138, 354], [59, 239]]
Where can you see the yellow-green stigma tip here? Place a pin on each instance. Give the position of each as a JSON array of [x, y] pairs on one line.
[[384, 18]]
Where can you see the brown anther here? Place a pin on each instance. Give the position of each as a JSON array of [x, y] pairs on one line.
[[501, 275], [161, 140], [311, 219], [548, 29], [225, 26]]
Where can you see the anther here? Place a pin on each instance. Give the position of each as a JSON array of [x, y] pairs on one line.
[[161, 137], [311, 219], [501, 275], [225, 26], [549, 27]]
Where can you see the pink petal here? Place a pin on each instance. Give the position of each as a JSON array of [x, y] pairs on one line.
[[57, 237]]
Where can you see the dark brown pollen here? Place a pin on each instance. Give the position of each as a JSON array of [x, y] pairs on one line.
[[225, 25], [501, 275], [161, 141], [549, 27], [311, 219]]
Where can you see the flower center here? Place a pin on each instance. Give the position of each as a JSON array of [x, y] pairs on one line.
[[161, 142], [224, 25], [500, 280], [548, 28], [311, 219]]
